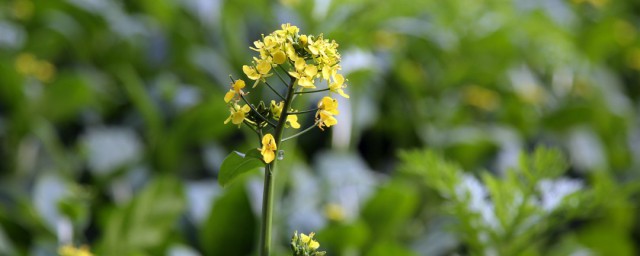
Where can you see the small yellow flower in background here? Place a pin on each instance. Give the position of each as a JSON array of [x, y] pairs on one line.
[[28, 65], [334, 212], [22, 9], [481, 98], [327, 108], [268, 148], [237, 114], [69, 250], [236, 88]]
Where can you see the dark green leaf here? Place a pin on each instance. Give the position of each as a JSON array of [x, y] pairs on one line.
[[231, 226]]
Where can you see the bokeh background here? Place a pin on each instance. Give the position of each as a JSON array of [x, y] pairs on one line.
[[111, 127]]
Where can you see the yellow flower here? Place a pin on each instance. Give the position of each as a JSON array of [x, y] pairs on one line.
[[338, 85], [293, 121], [306, 82], [69, 250], [334, 212], [314, 244], [311, 70], [326, 119], [330, 71], [290, 51], [260, 71], [299, 63], [237, 114], [236, 88], [304, 39], [288, 28], [268, 148], [263, 67], [305, 245], [305, 73], [304, 238], [327, 108], [27, 64], [315, 47], [329, 104], [279, 57], [250, 72], [276, 109]]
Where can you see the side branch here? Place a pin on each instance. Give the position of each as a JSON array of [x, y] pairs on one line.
[[302, 132], [256, 111], [274, 90], [321, 90], [302, 112]]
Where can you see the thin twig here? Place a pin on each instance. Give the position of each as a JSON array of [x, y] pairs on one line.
[[251, 127], [302, 112], [321, 90], [274, 90], [278, 74], [300, 133], [256, 111]]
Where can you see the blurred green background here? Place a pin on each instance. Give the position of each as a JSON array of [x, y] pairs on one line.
[[111, 128]]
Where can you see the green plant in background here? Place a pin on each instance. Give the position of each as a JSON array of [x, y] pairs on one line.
[[523, 212], [303, 59]]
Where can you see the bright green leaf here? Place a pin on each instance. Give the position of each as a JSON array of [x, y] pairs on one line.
[[237, 163]]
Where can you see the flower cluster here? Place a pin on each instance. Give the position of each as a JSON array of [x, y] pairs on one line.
[[303, 245], [307, 61]]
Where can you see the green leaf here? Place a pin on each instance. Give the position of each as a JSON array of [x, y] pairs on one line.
[[231, 227], [237, 163], [146, 222], [390, 208]]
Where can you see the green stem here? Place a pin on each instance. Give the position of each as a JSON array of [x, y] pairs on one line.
[[303, 111], [321, 90], [269, 176]]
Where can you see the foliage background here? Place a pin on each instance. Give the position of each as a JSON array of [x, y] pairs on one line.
[[111, 128]]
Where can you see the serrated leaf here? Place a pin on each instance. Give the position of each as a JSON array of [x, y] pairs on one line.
[[238, 163]]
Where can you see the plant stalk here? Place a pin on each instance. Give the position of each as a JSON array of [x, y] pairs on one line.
[[269, 177]]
